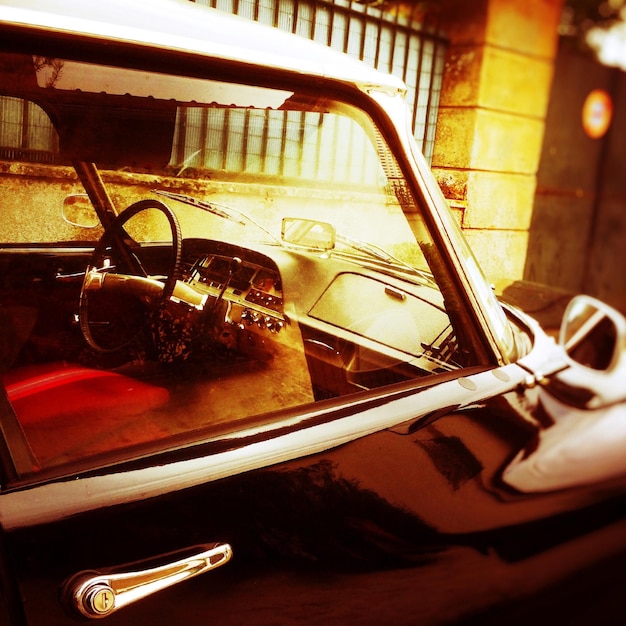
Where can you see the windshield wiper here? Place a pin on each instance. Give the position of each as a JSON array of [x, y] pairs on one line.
[[368, 248], [374, 251], [201, 204], [220, 210]]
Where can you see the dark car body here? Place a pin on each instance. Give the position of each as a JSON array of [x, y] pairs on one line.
[[272, 355]]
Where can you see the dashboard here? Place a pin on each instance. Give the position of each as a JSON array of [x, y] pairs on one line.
[[358, 328], [252, 291]]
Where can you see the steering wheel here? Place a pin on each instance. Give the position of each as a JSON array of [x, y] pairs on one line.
[[118, 295]]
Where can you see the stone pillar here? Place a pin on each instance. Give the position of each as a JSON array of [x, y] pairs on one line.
[[492, 112]]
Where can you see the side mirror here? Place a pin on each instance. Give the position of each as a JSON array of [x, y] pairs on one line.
[[78, 211], [593, 334], [308, 233], [593, 337], [585, 442]]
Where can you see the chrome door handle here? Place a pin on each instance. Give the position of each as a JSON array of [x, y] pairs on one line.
[[96, 594]]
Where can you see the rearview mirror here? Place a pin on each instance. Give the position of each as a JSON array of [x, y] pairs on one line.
[[308, 233], [78, 211]]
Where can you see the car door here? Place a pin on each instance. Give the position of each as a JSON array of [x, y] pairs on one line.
[[346, 486]]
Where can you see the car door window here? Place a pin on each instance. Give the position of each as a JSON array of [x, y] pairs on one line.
[[258, 251]]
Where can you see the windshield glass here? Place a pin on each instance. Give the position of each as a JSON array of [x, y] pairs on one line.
[[224, 252]]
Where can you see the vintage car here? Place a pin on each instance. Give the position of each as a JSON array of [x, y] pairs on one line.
[[241, 331]]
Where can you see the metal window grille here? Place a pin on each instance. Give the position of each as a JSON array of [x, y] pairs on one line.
[[26, 133], [218, 139], [289, 144], [273, 143], [393, 41]]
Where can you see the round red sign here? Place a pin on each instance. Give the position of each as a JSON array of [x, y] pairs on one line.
[[597, 113]]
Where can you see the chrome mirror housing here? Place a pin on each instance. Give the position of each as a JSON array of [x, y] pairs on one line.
[[593, 336], [586, 403]]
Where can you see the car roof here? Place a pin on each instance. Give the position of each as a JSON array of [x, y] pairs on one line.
[[180, 25]]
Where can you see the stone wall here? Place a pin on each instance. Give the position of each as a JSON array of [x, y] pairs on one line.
[[496, 89]]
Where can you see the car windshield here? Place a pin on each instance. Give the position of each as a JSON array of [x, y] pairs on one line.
[[222, 252], [248, 155]]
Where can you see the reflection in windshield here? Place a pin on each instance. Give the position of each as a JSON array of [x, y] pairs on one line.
[[256, 153]]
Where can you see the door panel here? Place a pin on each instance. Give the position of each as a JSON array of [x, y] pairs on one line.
[[381, 487], [307, 489], [312, 539]]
